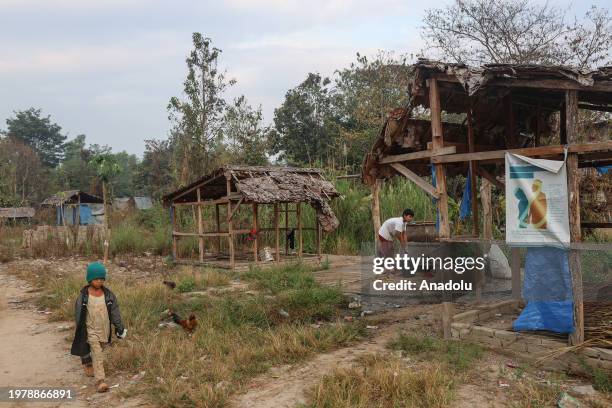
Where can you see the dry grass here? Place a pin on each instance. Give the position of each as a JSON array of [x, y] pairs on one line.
[[240, 334], [383, 381]]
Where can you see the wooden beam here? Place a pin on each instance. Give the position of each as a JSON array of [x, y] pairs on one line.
[[318, 236], [375, 188], [491, 178], [218, 219], [596, 224], [464, 147], [528, 151], [558, 84], [200, 227], [473, 178], [223, 200], [573, 189], [277, 244], [423, 154], [174, 239], [286, 228], [410, 175], [255, 228], [447, 311], [230, 237], [235, 208], [299, 225], [437, 138], [487, 214]]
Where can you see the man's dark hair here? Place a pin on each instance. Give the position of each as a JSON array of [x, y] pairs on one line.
[[408, 211]]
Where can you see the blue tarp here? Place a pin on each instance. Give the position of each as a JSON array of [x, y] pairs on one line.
[[547, 288], [603, 169], [466, 200]]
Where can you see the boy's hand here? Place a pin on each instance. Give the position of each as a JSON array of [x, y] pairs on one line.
[[123, 334]]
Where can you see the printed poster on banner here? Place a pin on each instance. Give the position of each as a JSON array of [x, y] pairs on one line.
[[536, 202]]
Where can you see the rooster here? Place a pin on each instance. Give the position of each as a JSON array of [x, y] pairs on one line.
[[188, 325], [170, 284]]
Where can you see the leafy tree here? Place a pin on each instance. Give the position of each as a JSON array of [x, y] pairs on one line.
[[154, 174], [106, 168], [39, 133], [21, 173], [366, 92], [305, 123], [75, 172], [517, 31], [124, 182], [197, 120], [245, 138]]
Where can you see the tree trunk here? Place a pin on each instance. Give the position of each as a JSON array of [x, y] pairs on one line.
[[106, 221]]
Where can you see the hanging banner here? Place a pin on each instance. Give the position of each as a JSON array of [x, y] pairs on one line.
[[536, 202]]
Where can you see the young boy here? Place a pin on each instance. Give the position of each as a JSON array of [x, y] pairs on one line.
[[95, 310]]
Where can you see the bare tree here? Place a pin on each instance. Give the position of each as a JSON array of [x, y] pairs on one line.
[[517, 31]]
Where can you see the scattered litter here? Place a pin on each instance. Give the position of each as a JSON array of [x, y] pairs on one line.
[[283, 313], [139, 376], [183, 377], [83, 387], [498, 315], [503, 384], [114, 386], [567, 401], [511, 364], [160, 380], [372, 327], [366, 312], [354, 305], [348, 318], [315, 325], [169, 325]]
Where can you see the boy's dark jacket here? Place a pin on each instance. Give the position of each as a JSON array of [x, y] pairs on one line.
[[80, 347]]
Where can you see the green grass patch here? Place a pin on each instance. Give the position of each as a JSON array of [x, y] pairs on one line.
[[460, 356]]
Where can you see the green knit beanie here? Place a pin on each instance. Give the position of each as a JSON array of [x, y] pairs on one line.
[[95, 270]]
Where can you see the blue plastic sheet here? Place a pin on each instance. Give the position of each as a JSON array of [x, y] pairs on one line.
[[603, 169], [547, 288], [466, 200]]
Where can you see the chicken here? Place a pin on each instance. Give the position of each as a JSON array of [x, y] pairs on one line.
[[188, 325], [170, 284]]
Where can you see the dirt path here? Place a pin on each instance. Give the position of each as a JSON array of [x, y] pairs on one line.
[[35, 352], [287, 386]]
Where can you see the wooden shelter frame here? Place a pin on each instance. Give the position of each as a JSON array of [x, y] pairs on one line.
[[380, 165], [226, 207]]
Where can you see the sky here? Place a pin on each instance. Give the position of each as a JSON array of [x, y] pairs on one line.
[[107, 68]]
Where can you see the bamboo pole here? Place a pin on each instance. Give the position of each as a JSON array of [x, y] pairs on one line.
[[318, 237], [376, 208]]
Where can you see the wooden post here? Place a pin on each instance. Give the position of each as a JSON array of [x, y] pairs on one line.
[[256, 229], [318, 236], [511, 140], [563, 124], [230, 229], [447, 319], [174, 238], [515, 268], [277, 230], [218, 218], [473, 178], [200, 226], [437, 140], [298, 211], [286, 228], [376, 208], [487, 214], [573, 189]]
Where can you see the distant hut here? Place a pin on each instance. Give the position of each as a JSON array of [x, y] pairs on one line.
[[75, 207]]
